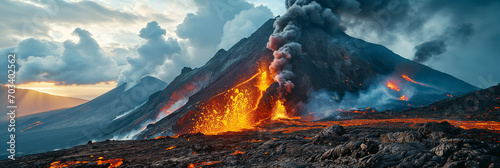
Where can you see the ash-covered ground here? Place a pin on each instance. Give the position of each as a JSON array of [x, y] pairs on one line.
[[290, 145]]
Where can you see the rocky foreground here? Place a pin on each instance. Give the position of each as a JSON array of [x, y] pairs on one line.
[[382, 145]]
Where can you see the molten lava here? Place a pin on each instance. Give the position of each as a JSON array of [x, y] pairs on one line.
[[410, 79], [279, 112], [298, 125], [392, 85], [404, 98], [231, 110], [113, 163]]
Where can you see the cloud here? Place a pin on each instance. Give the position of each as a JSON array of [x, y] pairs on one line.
[[152, 54], [35, 18], [82, 62], [243, 25], [204, 28]]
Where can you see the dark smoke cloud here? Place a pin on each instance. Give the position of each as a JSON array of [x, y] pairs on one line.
[[427, 50]]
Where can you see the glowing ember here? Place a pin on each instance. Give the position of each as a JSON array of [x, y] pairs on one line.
[[449, 95], [404, 98], [112, 162], [411, 80], [393, 85], [201, 164], [497, 108], [237, 152], [172, 147]]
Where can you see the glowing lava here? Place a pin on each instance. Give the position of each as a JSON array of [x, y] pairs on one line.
[[393, 85], [411, 80], [279, 112], [232, 110], [404, 98]]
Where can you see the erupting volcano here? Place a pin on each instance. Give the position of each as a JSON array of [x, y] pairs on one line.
[[286, 93]]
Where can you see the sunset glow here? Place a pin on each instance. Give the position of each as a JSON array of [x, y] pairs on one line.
[[86, 92]]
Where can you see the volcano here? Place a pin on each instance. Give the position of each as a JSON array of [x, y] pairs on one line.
[[234, 90]]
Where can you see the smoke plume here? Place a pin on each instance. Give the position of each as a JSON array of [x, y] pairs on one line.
[[283, 42], [427, 50]]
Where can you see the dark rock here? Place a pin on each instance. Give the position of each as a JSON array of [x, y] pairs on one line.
[[436, 130], [401, 137]]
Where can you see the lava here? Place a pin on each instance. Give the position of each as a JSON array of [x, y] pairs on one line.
[[32, 125], [231, 110], [411, 80], [299, 125], [404, 98], [113, 163], [172, 147], [237, 152], [393, 85]]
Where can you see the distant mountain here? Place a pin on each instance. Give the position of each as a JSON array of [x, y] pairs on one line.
[[31, 101], [331, 61], [75, 126]]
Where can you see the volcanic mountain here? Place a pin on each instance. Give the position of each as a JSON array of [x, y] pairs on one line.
[[234, 90], [89, 121], [31, 101]]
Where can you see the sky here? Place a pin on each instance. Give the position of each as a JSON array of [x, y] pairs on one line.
[[99, 44]]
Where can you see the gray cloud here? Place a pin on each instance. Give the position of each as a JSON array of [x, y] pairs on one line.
[[82, 62], [29, 20], [152, 54], [204, 28]]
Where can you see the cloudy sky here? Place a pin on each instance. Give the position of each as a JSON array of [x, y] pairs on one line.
[[102, 43]]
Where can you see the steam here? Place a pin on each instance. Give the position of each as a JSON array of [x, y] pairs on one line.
[[427, 50], [323, 103]]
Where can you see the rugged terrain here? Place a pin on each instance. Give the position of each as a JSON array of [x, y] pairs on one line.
[[378, 145]]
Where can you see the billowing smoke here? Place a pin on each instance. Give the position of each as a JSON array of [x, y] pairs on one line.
[[427, 50], [283, 42]]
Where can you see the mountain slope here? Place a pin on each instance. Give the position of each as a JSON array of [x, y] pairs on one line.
[[89, 121], [31, 101], [334, 62]]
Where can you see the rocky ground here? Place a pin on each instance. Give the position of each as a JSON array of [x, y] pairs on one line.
[[381, 145]]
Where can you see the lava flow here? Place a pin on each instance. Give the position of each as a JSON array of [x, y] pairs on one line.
[[491, 126], [231, 110], [410, 79]]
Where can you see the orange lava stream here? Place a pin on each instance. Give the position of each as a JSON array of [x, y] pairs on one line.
[[113, 163], [232, 110], [307, 125], [411, 80]]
